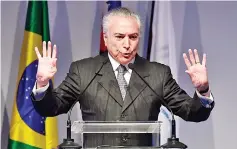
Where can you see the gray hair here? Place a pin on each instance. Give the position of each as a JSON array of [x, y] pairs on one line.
[[121, 11]]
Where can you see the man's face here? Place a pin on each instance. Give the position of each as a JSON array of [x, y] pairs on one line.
[[122, 38]]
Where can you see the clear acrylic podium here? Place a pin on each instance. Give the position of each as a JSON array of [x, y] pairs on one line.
[[153, 127]]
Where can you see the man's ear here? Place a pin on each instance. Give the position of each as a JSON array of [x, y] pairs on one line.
[[105, 38]]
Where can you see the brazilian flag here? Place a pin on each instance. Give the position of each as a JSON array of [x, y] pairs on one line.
[[28, 129]]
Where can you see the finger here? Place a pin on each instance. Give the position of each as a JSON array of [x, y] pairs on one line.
[[196, 56], [54, 51], [204, 59], [191, 56], [44, 49], [37, 53], [186, 60], [49, 49]]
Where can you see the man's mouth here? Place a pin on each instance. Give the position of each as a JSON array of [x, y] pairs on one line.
[[126, 54]]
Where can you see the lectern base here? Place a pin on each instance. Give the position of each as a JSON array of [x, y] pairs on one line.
[[126, 147], [69, 144], [173, 143]]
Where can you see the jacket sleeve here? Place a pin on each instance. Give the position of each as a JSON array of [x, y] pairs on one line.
[[189, 109]]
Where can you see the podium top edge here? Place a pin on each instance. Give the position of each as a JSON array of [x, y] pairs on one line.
[[116, 122]]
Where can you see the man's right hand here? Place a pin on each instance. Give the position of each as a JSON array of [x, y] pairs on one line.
[[46, 64]]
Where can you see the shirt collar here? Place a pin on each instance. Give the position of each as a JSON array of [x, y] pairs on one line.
[[115, 64]]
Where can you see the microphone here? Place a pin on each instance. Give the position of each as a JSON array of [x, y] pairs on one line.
[[172, 142], [68, 143]]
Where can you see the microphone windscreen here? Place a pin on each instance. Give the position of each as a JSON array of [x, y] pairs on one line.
[[130, 65]]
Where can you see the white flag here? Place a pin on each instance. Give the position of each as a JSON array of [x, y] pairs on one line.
[[163, 51]]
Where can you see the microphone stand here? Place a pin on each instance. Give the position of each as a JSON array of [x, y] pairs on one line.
[[172, 142], [69, 143]]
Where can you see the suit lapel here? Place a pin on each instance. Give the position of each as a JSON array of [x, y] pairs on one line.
[[109, 83], [136, 85]]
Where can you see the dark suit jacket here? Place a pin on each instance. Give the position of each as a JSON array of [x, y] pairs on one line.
[[102, 101]]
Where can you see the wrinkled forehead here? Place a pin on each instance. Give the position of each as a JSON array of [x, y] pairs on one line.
[[123, 25]]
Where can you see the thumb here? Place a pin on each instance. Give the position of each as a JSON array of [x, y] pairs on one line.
[[189, 73], [54, 62]]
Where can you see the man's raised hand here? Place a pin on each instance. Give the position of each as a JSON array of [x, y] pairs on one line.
[[46, 64]]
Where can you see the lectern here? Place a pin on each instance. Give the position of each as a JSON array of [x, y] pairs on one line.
[[82, 127]]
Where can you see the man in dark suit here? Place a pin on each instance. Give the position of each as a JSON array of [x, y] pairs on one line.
[[117, 93]]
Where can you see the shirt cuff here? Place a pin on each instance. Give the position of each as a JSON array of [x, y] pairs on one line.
[[39, 93], [206, 99]]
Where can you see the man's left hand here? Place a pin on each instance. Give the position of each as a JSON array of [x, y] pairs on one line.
[[197, 70]]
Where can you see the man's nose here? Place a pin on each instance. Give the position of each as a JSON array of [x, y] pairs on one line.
[[126, 43]]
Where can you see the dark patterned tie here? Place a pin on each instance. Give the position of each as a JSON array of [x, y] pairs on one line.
[[121, 80]]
